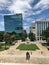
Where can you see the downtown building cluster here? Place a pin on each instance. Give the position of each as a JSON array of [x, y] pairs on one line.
[[38, 27]]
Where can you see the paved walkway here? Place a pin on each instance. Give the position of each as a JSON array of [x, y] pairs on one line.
[[20, 64], [17, 56], [43, 49]]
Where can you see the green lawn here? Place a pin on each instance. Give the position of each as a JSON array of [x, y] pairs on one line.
[[27, 47], [2, 46]]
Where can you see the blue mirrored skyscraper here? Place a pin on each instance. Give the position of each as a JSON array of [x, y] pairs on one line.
[[13, 23]]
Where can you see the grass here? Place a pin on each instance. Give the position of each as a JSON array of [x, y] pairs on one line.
[[2, 46], [27, 47]]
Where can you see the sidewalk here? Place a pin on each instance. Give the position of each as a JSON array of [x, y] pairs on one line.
[[20, 64], [12, 55], [43, 49]]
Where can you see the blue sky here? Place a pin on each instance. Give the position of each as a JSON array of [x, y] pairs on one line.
[[32, 10]]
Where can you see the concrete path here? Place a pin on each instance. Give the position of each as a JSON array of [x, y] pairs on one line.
[[43, 49], [16, 56], [20, 64]]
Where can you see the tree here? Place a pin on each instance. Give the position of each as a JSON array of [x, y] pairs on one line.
[[45, 34], [1, 36], [17, 37], [31, 36], [13, 37], [43, 37], [6, 38], [23, 35], [48, 41], [13, 33]]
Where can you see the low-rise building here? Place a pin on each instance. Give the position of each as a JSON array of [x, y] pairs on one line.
[[32, 28], [38, 27]]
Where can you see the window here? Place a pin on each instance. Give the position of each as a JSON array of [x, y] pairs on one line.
[[19, 28]]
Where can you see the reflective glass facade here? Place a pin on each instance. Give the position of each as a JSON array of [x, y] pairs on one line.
[[13, 23]]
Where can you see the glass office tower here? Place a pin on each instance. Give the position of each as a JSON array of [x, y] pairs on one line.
[[13, 23]]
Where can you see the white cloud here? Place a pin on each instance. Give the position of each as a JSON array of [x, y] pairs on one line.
[[37, 12], [1, 26], [26, 28], [20, 6], [23, 6], [4, 4], [17, 6], [29, 20], [1, 23], [42, 4]]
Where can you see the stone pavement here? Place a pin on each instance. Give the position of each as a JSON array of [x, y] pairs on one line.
[[43, 49], [15, 59], [20, 64], [16, 56]]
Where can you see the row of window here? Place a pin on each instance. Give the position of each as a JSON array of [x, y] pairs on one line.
[[41, 26], [19, 28]]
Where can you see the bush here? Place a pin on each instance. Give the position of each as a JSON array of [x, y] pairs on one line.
[[48, 41]]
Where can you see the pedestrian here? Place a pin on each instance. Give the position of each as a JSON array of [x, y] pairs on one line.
[[27, 56], [31, 52], [41, 52]]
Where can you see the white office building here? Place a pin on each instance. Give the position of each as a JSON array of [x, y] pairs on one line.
[[32, 28], [39, 27]]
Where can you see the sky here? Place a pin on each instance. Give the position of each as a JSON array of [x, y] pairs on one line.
[[31, 10]]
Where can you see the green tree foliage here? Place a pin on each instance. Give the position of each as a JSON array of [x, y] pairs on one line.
[[31, 36], [1, 36], [10, 37], [23, 35], [13, 37], [45, 34], [17, 37], [6, 38], [48, 41]]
